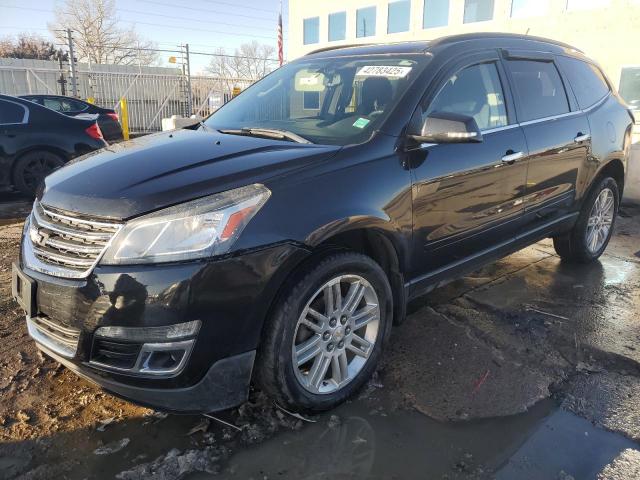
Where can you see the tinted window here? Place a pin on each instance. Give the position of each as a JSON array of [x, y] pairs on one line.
[[311, 32], [587, 81], [478, 10], [436, 13], [398, 18], [475, 91], [366, 22], [337, 26], [630, 86], [11, 112], [539, 88]]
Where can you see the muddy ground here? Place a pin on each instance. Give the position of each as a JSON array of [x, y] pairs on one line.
[[526, 369]]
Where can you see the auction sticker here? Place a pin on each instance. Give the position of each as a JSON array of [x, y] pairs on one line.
[[383, 71]]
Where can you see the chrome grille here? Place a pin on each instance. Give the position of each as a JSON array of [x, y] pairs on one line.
[[66, 245], [60, 339]]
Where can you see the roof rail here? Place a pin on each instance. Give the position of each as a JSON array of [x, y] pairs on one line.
[[338, 47]]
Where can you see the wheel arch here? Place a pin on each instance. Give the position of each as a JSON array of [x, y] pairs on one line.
[[615, 169]]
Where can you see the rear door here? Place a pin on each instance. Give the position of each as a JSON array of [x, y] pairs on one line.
[[14, 117], [468, 197], [557, 132]]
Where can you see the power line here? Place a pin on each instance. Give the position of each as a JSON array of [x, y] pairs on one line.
[[207, 10], [190, 19], [161, 24], [217, 2]]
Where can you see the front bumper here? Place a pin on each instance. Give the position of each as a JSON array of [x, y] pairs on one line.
[[230, 297]]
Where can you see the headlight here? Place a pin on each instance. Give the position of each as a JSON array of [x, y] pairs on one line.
[[201, 228]]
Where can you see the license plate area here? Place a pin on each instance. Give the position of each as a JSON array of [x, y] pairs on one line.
[[23, 289]]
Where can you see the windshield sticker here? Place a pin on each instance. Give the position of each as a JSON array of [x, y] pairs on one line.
[[383, 71], [361, 122]]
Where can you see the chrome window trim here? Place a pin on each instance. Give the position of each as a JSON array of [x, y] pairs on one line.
[[25, 117]]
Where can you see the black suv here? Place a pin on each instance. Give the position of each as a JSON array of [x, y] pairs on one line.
[[280, 239]]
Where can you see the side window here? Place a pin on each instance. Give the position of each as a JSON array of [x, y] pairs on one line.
[[475, 91], [539, 88], [587, 81], [11, 112], [53, 104]]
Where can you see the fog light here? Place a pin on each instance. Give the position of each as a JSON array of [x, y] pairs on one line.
[[177, 331], [158, 352]]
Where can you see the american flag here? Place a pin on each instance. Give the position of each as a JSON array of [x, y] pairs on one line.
[[280, 47]]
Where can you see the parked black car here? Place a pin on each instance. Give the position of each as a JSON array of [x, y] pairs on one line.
[[35, 140], [108, 119], [279, 240]]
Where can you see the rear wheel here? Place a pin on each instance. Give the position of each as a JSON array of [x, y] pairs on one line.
[[325, 336], [32, 168], [591, 234]]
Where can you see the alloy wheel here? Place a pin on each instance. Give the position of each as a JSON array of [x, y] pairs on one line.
[[600, 220], [335, 334]]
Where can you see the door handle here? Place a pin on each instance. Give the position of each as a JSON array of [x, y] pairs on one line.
[[512, 157], [582, 138]]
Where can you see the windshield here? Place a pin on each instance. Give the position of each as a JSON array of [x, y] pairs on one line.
[[336, 101]]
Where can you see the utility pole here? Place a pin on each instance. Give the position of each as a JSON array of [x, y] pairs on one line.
[[72, 63], [189, 95]]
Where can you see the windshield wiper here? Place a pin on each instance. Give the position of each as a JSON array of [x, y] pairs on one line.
[[268, 133]]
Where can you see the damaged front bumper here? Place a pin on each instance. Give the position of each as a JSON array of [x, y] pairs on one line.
[[178, 337]]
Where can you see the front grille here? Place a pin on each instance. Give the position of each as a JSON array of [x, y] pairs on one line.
[[67, 245], [115, 354], [62, 340]]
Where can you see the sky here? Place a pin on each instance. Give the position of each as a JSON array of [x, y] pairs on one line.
[[203, 24]]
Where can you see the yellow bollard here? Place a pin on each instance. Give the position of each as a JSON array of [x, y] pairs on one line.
[[91, 100], [124, 118]]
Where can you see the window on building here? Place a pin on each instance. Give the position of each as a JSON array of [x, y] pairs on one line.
[[311, 30], [529, 8], [11, 112], [337, 26], [475, 91], [436, 13], [398, 16], [478, 10], [366, 22], [630, 87], [587, 81], [539, 89], [587, 4]]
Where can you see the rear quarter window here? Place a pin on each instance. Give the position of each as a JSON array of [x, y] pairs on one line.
[[11, 112], [587, 81]]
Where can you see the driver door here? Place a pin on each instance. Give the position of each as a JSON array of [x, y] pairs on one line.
[[468, 197]]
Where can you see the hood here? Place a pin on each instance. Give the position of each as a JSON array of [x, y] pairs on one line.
[[156, 171]]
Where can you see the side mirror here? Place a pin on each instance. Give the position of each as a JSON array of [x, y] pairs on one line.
[[446, 127]]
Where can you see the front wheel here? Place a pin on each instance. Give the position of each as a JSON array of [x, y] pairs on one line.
[[325, 336], [591, 234]]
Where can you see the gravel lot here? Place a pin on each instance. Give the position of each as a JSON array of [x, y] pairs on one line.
[[526, 369]]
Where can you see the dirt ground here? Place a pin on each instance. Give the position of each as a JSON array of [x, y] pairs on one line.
[[526, 369]]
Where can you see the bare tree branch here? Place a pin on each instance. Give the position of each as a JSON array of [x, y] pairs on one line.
[[98, 37]]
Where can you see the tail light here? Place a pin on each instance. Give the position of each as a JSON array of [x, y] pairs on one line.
[[113, 116], [94, 132]]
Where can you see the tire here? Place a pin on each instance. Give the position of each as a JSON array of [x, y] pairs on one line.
[[32, 168], [300, 387], [580, 245]]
